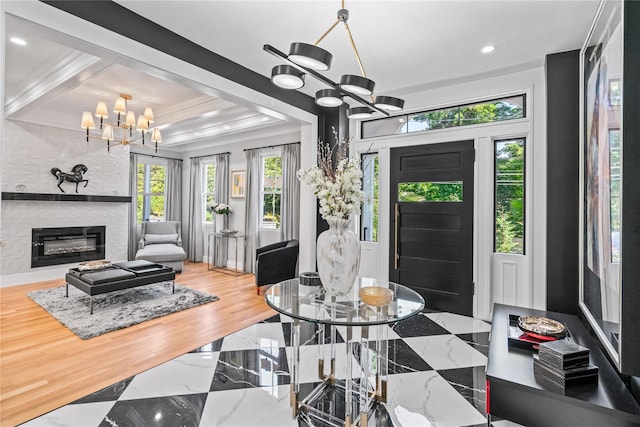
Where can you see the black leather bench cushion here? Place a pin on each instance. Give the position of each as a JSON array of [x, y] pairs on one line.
[[143, 268], [111, 275]]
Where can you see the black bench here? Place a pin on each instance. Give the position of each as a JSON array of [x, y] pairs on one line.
[[123, 275]]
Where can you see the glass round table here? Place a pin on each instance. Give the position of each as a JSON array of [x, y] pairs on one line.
[[363, 388]]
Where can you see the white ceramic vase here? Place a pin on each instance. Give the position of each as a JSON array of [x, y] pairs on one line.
[[338, 256]]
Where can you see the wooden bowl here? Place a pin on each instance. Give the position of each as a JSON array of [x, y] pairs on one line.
[[376, 296]]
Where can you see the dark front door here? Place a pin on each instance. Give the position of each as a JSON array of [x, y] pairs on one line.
[[431, 238]]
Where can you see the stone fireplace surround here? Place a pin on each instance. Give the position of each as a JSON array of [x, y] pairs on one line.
[[28, 153]]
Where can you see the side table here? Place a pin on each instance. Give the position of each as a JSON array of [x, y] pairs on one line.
[[214, 242], [362, 391]]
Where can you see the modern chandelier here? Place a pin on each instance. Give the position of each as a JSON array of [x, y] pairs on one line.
[[304, 58], [125, 125]]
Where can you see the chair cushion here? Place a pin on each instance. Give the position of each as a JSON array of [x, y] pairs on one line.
[[154, 239], [161, 227], [161, 252]]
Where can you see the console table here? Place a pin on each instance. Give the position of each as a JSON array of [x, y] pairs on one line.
[[311, 304], [214, 239], [514, 394]]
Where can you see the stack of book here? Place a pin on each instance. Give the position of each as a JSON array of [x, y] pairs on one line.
[[560, 364]]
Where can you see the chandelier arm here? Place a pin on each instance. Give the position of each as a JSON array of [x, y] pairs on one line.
[[276, 52], [326, 33], [355, 50]]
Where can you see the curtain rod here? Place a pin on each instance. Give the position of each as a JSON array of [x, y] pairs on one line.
[[209, 155], [271, 146], [160, 157]]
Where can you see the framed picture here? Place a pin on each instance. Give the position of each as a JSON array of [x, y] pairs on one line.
[[238, 180], [600, 163]]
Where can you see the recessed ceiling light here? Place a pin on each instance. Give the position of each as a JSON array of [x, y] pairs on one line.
[[488, 49], [18, 40]]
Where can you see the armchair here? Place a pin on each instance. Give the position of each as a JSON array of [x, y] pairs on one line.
[[161, 242], [276, 262]]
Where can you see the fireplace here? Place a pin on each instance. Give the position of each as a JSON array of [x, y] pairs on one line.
[[64, 245]]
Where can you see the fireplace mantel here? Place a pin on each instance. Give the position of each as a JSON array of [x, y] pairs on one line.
[[45, 197]]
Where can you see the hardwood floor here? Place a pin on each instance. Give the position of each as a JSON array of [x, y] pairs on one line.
[[45, 366]]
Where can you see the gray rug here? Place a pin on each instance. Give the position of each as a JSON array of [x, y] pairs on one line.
[[116, 310]]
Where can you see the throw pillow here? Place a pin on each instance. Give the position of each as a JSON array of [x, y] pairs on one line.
[[155, 239]]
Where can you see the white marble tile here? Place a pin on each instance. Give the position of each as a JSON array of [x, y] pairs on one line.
[[264, 406], [83, 414], [309, 357], [187, 374], [446, 352], [505, 423], [457, 324], [260, 335], [426, 399]]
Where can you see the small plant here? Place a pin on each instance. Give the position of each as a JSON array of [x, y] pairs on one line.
[[219, 208]]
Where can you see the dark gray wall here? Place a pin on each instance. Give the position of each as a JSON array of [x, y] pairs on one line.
[[562, 77]]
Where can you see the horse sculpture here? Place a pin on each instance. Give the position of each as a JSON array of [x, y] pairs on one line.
[[74, 176]]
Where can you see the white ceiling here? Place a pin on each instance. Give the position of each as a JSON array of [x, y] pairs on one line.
[[405, 46]]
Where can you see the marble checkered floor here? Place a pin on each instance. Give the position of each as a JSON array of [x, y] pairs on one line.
[[436, 378]]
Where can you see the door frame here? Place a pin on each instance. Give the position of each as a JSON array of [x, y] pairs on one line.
[[483, 137]]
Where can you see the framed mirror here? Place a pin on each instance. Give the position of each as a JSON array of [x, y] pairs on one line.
[[608, 209]]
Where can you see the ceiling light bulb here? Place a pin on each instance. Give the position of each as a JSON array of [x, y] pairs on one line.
[[328, 98], [310, 56], [359, 113], [87, 121], [287, 77], [120, 106], [131, 119], [155, 135], [108, 133], [488, 49], [389, 103], [143, 124], [357, 84], [101, 110], [18, 41], [148, 114]]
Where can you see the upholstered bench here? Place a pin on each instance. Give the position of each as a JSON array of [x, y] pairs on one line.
[[124, 275]]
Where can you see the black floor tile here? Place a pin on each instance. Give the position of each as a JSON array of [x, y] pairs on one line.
[[170, 411], [113, 392], [250, 368], [418, 326]]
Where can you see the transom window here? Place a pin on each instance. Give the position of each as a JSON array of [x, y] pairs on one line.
[[151, 196], [270, 191], [459, 115]]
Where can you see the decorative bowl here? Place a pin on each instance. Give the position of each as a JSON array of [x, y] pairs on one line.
[[94, 265], [376, 296], [228, 232], [310, 278], [542, 326]]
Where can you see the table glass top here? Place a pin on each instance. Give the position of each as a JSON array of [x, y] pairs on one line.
[[313, 304]]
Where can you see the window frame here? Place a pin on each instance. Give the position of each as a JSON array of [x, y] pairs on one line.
[[495, 142], [263, 157], [205, 188], [147, 194]]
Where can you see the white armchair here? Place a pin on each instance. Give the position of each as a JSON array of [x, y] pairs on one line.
[[161, 242]]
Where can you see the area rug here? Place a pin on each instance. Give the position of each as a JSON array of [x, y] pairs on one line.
[[116, 310]]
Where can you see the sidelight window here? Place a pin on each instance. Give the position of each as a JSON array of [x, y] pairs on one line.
[[369, 212], [209, 177], [509, 204], [271, 191]]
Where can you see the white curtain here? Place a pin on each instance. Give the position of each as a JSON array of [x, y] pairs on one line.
[[195, 244], [221, 195], [290, 204], [173, 192], [252, 215], [133, 206]]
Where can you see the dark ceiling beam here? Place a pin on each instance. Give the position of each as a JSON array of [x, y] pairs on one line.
[[121, 20]]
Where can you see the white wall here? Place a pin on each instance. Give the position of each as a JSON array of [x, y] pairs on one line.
[[532, 268], [28, 154]]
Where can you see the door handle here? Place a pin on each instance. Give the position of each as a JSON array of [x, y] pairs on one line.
[[396, 256]]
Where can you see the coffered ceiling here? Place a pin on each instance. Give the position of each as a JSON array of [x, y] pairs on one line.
[[405, 46]]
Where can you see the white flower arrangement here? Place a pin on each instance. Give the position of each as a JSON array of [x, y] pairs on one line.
[[339, 188], [219, 208]]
